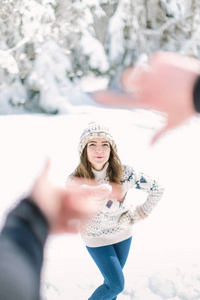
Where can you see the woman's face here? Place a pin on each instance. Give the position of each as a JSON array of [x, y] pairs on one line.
[[98, 152]]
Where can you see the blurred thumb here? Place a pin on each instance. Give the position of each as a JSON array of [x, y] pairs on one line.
[[46, 168], [115, 99], [158, 135]]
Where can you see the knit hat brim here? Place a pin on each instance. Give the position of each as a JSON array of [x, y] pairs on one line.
[[95, 130]]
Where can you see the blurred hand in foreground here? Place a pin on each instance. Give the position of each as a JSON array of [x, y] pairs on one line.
[[165, 84], [63, 208], [102, 191]]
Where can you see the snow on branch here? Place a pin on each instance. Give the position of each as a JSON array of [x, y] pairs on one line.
[[19, 44], [166, 26]]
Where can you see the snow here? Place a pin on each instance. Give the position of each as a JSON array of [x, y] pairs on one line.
[[7, 62], [172, 8], [116, 36], [95, 51], [56, 92], [164, 256]]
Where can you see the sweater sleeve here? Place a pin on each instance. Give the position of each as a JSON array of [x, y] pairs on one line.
[[196, 95], [22, 242], [143, 182]]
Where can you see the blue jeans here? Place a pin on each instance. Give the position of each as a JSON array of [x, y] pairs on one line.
[[110, 260]]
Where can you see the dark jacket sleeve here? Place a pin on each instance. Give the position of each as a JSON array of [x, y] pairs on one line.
[[22, 242], [196, 95]]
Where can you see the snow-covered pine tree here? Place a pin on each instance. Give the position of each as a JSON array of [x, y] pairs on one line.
[[98, 36]]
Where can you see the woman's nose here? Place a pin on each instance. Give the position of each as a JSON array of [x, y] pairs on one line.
[[98, 149]]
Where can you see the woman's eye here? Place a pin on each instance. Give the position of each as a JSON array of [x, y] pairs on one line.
[[106, 145]]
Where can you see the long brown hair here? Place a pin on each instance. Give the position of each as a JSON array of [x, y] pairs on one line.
[[114, 170]]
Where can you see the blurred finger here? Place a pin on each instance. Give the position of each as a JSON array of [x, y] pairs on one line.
[[67, 226], [46, 168], [117, 191], [115, 99], [79, 203], [73, 225], [158, 135]]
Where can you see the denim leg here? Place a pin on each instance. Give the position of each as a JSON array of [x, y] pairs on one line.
[[110, 260], [122, 251]]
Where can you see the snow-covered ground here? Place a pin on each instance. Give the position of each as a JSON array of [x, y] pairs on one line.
[[164, 257]]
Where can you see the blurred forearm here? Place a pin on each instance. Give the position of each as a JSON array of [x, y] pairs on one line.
[[196, 95], [21, 252]]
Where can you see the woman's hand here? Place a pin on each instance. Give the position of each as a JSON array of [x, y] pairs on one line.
[[130, 218]]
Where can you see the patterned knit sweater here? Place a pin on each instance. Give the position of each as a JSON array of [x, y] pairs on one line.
[[102, 228]]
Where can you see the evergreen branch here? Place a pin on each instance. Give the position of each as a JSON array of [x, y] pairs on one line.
[[14, 84], [166, 26], [19, 44]]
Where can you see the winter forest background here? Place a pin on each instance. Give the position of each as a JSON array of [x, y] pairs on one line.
[[52, 52], [74, 38]]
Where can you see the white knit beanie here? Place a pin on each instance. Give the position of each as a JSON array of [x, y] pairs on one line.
[[95, 130]]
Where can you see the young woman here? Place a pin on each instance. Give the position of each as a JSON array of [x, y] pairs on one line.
[[108, 233]]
